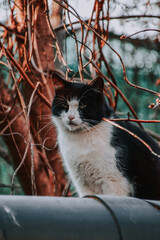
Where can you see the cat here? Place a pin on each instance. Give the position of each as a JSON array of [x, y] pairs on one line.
[[101, 158]]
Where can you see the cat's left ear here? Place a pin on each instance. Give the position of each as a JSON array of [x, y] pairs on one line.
[[97, 83], [58, 80]]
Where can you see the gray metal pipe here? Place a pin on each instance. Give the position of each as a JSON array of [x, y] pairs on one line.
[[93, 218]]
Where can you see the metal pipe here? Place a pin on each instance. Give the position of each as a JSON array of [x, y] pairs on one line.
[[91, 218]]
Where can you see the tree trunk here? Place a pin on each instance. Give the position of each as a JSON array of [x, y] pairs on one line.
[[35, 140]]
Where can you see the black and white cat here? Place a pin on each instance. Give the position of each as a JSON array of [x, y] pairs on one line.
[[99, 157]]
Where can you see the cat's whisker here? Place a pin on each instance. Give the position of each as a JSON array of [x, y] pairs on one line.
[[82, 97], [89, 129], [86, 127], [90, 121], [61, 98]]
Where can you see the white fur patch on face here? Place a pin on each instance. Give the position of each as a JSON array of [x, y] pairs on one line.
[[71, 118]]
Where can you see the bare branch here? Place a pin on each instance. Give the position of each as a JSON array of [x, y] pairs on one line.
[[24, 75], [132, 134], [144, 30]]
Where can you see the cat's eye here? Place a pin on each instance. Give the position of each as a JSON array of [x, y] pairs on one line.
[[64, 105], [82, 106]]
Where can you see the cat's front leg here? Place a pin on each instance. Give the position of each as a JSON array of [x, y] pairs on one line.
[[118, 187], [83, 190]]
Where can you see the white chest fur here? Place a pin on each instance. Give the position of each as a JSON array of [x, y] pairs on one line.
[[90, 161]]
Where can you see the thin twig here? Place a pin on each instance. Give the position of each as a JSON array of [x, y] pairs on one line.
[[25, 77], [3, 185], [134, 120], [132, 134], [118, 90], [144, 30], [10, 123], [34, 190], [110, 18], [55, 37], [120, 58], [17, 169]]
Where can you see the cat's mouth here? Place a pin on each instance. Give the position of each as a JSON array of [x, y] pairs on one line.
[[72, 123], [72, 126]]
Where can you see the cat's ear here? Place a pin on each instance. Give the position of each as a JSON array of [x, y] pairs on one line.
[[58, 80], [97, 83]]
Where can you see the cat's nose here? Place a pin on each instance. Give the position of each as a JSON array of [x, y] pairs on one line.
[[71, 117]]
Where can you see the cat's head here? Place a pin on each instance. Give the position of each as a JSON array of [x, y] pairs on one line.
[[78, 106]]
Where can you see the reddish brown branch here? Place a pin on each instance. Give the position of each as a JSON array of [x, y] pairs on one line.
[[11, 31], [54, 36], [145, 30], [118, 90], [132, 134], [120, 58], [24, 75], [133, 16], [110, 18], [134, 120]]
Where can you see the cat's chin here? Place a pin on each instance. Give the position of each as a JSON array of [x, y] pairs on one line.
[[73, 127]]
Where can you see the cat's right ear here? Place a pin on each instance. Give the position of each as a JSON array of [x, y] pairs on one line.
[[58, 80], [97, 83]]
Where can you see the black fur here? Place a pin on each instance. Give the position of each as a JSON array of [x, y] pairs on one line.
[[89, 95], [136, 161]]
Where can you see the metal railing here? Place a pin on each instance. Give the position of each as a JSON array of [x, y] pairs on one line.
[[91, 218]]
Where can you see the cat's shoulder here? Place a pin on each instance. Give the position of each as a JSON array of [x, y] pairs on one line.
[[132, 134]]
